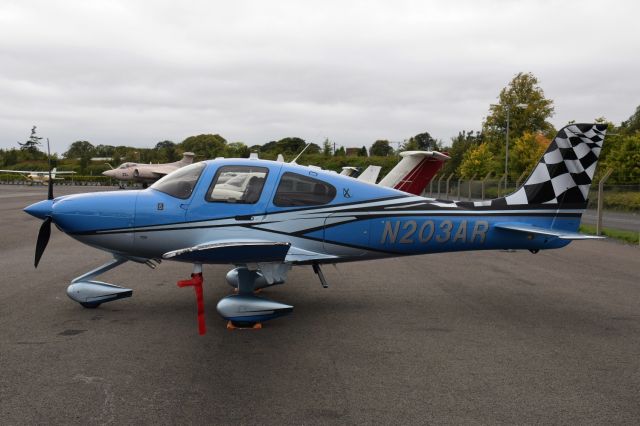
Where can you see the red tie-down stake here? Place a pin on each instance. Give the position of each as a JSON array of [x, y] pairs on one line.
[[196, 281]]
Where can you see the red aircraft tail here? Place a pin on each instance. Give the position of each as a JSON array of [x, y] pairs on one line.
[[414, 172]]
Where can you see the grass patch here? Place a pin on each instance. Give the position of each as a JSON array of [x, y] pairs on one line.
[[626, 201], [625, 236]]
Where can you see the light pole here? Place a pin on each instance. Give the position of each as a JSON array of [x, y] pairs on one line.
[[506, 155]]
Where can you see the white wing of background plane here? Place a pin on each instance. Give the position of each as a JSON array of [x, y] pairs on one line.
[[37, 172]]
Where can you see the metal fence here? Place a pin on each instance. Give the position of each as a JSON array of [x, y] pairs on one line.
[[618, 208], [69, 182]]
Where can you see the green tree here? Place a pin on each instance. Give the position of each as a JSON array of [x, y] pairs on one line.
[[31, 145], [166, 152], [477, 161], [526, 152], [116, 159], [522, 89], [632, 125], [270, 147], [326, 148], [80, 149], [363, 152], [314, 148], [340, 152], [381, 148], [205, 145], [237, 150], [528, 110], [422, 142], [623, 158], [460, 144], [104, 150], [10, 157], [290, 145]]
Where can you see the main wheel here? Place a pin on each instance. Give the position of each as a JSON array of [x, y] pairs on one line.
[[89, 305]]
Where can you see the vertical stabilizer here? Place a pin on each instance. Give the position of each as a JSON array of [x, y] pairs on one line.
[[564, 173], [370, 174], [414, 172], [187, 158]]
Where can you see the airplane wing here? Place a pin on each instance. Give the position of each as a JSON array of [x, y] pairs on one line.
[[37, 172], [18, 171], [162, 170], [232, 252], [558, 233]]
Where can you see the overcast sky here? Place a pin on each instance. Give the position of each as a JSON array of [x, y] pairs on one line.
[[138, 72]]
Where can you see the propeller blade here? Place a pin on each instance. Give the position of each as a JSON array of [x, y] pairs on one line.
[[50, 188], [43, 239]]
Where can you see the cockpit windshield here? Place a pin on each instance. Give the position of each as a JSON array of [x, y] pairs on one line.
[[181, 182]]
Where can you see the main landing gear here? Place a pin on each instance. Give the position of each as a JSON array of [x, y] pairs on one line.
[[243, 309]]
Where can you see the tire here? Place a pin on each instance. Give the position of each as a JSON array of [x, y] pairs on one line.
[[89, 305]]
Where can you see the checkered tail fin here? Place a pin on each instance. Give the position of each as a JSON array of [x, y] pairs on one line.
[[565, 171]]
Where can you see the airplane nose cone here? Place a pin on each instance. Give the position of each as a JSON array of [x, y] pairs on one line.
[[109, 173], [41, 209]]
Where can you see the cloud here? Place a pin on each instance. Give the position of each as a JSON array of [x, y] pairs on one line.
[[138, 72]]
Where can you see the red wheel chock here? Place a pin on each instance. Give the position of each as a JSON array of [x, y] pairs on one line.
[[196, 281]]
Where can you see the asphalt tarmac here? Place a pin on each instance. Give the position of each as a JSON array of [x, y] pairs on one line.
[[478, 337]]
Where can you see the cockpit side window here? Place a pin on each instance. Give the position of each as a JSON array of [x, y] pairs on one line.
[[237, 184], [181, 182], [299, 190]]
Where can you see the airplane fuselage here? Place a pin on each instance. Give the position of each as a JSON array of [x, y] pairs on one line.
[[361, 221]]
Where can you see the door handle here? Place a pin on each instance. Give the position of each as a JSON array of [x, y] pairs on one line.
[[245, 217]]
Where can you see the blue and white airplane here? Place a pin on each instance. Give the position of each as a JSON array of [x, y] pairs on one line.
[[264, 217]]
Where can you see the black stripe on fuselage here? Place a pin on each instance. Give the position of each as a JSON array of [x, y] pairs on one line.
[[386, 214]]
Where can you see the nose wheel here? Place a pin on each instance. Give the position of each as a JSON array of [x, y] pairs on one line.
[[90, 293]]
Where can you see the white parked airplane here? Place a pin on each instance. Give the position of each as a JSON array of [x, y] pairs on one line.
[[39, 176]]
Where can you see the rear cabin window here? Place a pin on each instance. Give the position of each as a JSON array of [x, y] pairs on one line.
[[299, 190], [237, 184], [181, 182]]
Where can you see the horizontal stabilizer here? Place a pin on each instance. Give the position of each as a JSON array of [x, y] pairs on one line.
[[236, 252], [558, 233]]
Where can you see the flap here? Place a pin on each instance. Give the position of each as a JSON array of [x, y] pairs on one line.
[[558, 233], [235, 252]]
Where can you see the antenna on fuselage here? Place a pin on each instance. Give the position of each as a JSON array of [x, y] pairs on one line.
[[301, 152], [50, 183]]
